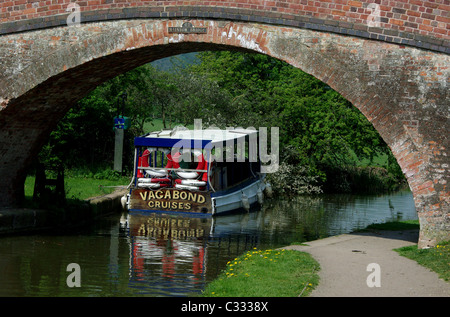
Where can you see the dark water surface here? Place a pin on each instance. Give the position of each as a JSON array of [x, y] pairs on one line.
[[157, 255]]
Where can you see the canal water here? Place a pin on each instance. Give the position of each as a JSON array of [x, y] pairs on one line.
[[157, 255]]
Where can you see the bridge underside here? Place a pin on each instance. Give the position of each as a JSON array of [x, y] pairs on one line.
[[401, 90]]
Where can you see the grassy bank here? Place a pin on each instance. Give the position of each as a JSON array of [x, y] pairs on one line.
[[79, 186], [73, 213], [395, 225], [436, 259], [266, 273]]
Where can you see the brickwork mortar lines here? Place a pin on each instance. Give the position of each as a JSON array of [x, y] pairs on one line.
[[400, 24]]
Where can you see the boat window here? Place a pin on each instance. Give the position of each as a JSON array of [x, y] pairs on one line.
[[157, 158], [238, 166]]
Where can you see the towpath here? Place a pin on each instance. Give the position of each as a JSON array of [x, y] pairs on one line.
[[344, 262]]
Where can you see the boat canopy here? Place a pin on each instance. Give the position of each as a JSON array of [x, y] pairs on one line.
[[204, 139]]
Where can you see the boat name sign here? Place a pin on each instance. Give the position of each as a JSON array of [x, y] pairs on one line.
[[170, 200]]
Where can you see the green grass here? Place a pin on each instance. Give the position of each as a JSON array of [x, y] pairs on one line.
[[436, 259], [80, 187], [379, 160], [395, 225], [266, 273]]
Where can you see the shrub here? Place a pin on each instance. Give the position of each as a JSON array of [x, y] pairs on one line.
[[294, 180]]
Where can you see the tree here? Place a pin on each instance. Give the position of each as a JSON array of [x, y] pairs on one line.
[[318, 127]]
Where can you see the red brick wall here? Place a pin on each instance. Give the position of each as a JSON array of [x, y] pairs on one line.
[[411, 22], [403, 91]]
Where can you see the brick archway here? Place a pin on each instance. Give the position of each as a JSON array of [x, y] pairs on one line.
[[402, 90]]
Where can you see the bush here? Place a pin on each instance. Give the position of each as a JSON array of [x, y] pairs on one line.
[[294, 180]]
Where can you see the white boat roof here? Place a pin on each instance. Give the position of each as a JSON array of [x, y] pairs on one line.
[[214, 136], [207, 134]]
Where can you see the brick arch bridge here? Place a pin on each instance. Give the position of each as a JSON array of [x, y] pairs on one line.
[[396, 73]]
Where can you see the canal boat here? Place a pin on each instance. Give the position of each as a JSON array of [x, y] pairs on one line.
[[196, 172]]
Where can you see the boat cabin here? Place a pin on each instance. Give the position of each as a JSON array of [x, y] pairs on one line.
[[202, 172]]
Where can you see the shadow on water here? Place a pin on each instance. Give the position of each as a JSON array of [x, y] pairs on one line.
[[162, 255]]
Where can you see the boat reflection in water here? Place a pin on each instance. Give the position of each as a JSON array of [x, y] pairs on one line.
[[176, 255], [169, 248]]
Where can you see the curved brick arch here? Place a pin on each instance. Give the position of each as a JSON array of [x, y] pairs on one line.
[[417, 23], [401, 90]]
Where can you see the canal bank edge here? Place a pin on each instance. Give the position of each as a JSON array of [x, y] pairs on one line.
[[26, 220]]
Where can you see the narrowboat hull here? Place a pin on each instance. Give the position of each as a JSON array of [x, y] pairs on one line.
[[198, 203]]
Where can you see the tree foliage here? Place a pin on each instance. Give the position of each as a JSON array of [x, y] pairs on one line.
[[319, 125], [319, 129]]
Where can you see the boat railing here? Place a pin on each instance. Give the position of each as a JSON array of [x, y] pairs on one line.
[[172, 169]]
